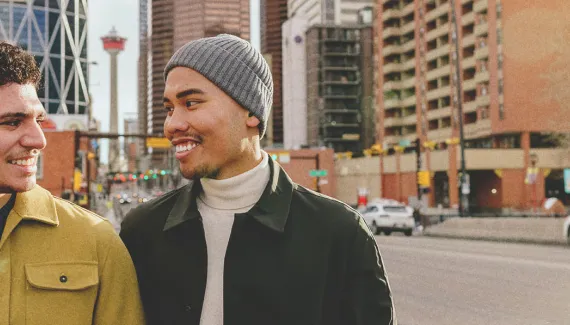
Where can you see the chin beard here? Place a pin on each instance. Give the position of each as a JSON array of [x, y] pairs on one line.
[[201, 172]]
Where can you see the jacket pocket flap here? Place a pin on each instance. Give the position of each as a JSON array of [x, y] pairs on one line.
[[62, 275]]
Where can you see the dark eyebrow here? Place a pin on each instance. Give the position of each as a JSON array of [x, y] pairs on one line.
[[20, 115], [187, 92]]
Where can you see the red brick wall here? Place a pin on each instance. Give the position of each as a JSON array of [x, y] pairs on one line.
[[298, 169], [399, 189], [58, 161]]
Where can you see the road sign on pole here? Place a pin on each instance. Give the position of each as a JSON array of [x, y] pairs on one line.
[[318, 172], [158, 143]]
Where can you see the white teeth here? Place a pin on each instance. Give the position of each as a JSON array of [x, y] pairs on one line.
[[28, 162], [188, 147]]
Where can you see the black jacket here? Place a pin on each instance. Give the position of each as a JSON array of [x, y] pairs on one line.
[[296, 258]]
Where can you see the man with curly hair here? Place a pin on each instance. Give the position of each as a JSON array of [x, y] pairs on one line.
[[59, 263]]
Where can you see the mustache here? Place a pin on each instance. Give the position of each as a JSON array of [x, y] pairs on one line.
[[34, 153]]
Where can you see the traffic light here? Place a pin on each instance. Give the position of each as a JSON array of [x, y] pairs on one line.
[[163, 172], [424, 178]]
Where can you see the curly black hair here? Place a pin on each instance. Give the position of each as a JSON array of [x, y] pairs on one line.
[[17, 66]]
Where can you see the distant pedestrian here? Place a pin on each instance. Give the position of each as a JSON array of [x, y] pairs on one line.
[[242, 243], [59, 263]]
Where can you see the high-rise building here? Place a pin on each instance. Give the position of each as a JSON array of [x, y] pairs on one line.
[[273, 15], [175, 22], [340, 105], [143, 75], [512, 61], [57, 37], [328, 11]]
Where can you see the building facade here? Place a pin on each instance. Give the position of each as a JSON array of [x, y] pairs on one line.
[[173, 23], [273, 14], [340, 110], [142, 72], [512, 59], [57, 37], [328, 12]]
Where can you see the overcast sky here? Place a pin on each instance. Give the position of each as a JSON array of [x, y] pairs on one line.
[[124, 15]]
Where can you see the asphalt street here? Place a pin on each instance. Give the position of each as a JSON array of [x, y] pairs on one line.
[[451, 282]]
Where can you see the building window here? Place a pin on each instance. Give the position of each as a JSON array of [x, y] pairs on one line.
[[500, 61], [499, 36], [501, 85], [501, 111], [499, 10]]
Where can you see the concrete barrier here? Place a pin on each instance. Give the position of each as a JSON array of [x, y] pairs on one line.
[[523, 230]]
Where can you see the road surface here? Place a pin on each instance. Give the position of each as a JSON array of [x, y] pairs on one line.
[[450, 282]]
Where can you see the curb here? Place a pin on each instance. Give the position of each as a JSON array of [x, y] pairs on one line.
[[500, 240]]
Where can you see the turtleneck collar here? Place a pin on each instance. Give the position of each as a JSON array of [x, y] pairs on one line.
[[238, 192]]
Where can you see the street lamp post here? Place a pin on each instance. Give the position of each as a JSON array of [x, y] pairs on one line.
[[458, 100]]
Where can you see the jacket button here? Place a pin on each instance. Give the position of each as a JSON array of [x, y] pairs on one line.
[[63, 279], [187, 308]]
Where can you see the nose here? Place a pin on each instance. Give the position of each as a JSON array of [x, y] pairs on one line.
[[34, 137], [177, 122]]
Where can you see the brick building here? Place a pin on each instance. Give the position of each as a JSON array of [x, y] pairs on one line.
[[513, 59]]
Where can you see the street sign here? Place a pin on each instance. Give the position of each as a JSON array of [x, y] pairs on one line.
[[158, 143], [318, 173]]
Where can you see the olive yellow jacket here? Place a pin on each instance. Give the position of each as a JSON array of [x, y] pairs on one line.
[[61, 264]]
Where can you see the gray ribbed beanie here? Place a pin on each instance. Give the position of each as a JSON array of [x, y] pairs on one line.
[[233, 65]]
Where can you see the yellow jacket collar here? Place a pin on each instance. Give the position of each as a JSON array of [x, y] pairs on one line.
[[37, 204]]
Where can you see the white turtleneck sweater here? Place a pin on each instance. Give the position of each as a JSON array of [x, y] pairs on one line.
[[218, 203]]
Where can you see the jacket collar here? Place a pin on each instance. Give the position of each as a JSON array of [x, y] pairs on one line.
[[271, 210], [36, 204]]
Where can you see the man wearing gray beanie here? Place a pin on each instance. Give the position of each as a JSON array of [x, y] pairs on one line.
[[242, 243]]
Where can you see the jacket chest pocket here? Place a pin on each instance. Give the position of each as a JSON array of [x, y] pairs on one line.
[[61, 292]]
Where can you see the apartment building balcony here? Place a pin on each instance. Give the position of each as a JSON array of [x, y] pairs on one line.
[[469, 107], [409, 83], [483, 100], [392, 103], [390, 13], [409, 101], [391, 85], [335, 125], [438, 51], [391, 31], [443, 9], [341, 82], [410, 119], [408, 9], [482, 53], [469, 84], [408, 27], [468, 40], [478, 129], [347, 137], [481, 76], [439, 113], [468, 18], [391, 49], [481, 29], [340, 52], [392, 121], [469, 62], [437, 32], [340, 67], [408, 46], [392, 67], [343, 111], [480, 5], [409, 64], [439, 72], [438, 93], [439, 134], [340, 96]]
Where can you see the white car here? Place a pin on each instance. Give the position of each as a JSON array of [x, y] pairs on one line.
[[387, 218], [566, 229]]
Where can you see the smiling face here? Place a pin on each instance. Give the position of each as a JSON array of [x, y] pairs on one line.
[[213, 135], [21, 137]]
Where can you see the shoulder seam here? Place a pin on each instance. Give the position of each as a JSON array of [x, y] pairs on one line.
[[326, 197], [80, 208]]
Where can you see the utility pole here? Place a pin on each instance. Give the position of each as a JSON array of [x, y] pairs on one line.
[[459, 102]]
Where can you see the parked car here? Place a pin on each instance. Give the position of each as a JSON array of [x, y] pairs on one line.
[[388, 218], [566, 229]]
